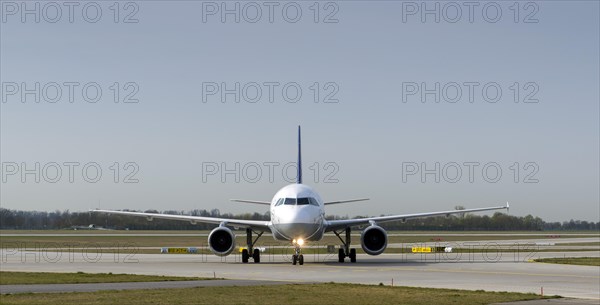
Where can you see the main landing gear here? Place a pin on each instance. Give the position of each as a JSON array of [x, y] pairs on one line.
[[346, 251], [297, 257], [250, 247]]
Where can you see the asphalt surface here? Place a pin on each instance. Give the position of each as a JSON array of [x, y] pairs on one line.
[[487, 271]]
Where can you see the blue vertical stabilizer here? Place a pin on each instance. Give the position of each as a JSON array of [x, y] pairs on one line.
[[299, 181]]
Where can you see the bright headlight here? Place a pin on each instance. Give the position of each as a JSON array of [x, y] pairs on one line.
[[300, 241]]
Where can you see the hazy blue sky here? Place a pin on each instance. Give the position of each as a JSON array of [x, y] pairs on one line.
[[375, 140]]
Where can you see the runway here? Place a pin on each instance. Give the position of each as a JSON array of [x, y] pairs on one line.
[[487, 271]]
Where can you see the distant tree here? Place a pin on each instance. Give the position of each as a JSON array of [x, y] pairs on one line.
[[16, 219]]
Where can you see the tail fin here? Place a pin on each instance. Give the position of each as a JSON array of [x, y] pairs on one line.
[[299, 178]]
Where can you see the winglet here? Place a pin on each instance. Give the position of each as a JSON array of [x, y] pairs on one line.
[[299, 178], [507, 207]]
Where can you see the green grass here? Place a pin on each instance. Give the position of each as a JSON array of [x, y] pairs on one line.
[[102, 240], [596, 244], [320, 249], [584, 261], [14, 278], [131, 245], [278, 294]]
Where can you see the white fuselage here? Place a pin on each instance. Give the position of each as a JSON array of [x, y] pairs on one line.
[[297, 213]]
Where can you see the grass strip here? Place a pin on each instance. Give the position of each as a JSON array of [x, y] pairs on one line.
[[22, 278], [583, 261], [328, 293]]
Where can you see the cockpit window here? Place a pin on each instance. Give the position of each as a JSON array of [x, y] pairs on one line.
[[297, 201], [279, 202], [303, 201]]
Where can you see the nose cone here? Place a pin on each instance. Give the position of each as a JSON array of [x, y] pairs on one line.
[[295, 222], [296, 214]]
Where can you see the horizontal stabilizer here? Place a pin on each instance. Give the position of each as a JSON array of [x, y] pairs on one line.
[[252, 201], [346, 201]]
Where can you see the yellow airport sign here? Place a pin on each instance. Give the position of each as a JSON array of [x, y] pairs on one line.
[[179, 250], [421, 249]]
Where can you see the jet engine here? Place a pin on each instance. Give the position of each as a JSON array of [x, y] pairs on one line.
[[221, 241], [373, 240]]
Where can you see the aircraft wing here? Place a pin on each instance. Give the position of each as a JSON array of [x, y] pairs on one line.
[[241, 223], [342, 224]]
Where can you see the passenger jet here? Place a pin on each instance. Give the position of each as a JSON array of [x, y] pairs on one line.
[[297, 216]]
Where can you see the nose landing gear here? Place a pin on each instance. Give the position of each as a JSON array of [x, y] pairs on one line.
[[297, 257]]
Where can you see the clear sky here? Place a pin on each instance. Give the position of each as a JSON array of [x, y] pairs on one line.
[[518, 91]]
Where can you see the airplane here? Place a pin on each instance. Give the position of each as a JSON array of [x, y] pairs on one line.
[[297, 216]]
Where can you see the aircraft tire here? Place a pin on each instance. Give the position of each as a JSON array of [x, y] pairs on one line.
[[245, 256], [256, 256]]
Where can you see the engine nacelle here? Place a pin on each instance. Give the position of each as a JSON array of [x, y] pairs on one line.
[[221, 241], [373, 240]]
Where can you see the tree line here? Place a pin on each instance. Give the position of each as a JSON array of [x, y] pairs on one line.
[[40, 220]]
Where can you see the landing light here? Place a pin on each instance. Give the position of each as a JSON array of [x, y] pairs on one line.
[[300, 242]]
